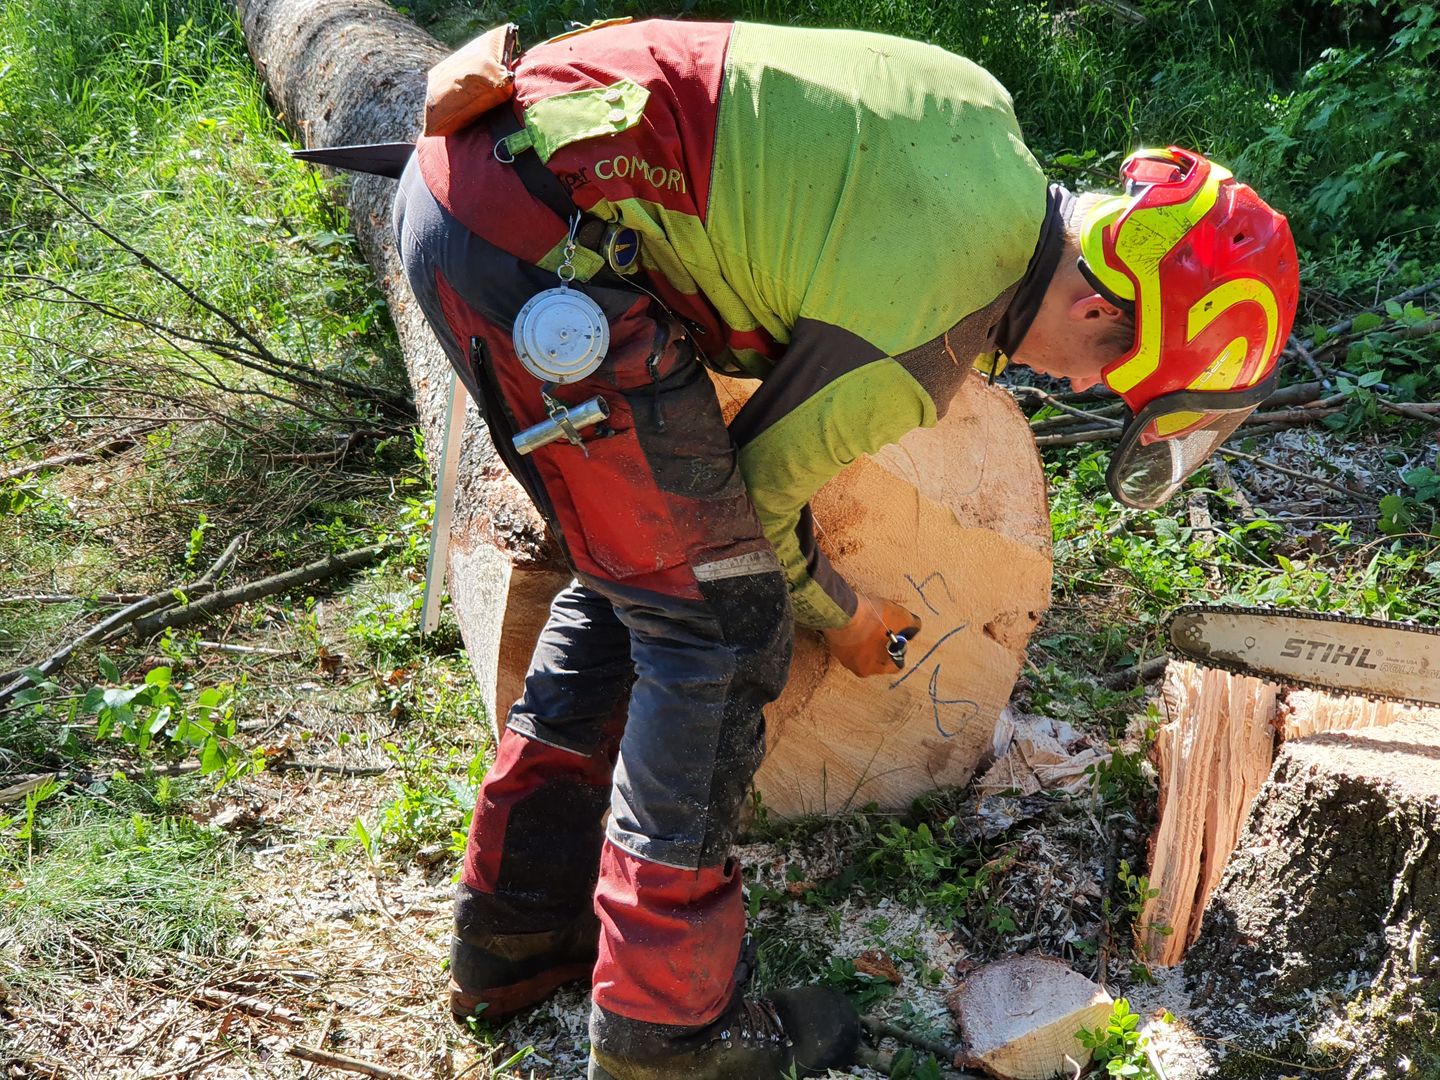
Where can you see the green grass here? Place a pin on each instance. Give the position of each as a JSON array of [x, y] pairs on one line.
[[149, 117], [114, 884]]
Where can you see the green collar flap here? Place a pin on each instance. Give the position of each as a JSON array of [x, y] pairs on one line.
[[558, 121]]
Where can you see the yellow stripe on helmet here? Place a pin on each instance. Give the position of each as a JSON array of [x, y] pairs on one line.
[[1224, 372], [1143, 239], [1099, 217]]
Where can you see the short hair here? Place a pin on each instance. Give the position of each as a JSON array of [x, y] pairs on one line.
[[1119, 335]]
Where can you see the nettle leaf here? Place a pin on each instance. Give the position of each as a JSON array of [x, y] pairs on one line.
[[1367, 321]]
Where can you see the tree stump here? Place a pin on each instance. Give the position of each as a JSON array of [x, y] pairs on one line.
[[1333, 893], [1214, 754], [952, 521]]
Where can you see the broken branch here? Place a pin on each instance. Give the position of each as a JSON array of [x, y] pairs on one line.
[[346, 1063], [1296, 473], [224, 999], [207, 605], [114, 445]]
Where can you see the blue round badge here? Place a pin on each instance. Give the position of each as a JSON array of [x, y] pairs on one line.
[[622, 249]]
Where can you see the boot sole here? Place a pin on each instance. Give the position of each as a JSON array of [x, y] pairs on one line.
[[502, 1001]]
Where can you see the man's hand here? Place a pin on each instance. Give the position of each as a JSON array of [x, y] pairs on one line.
[[862, 644]]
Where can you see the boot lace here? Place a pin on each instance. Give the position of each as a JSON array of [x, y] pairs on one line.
[[755, 1022]]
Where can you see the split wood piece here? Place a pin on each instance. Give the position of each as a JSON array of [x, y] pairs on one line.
[[1214, 754], [1019, 1016], [353, 71], [1333, 892]]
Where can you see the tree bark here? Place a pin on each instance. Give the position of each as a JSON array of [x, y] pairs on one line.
[[353, 71], [952, 521]]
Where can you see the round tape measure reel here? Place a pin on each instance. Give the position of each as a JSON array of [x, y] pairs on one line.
[[561, 335]]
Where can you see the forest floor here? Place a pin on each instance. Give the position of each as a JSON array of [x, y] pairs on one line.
[[170, 924]]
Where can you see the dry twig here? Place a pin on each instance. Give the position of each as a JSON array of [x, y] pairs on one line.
[[113, 445], [346, 1063], [266, 1010]]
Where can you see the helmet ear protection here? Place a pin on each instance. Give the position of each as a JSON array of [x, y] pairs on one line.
[[1211, 275]]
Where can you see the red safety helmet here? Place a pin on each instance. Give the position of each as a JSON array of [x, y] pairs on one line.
[[1210, 272]]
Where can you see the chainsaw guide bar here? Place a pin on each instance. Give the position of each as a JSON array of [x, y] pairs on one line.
[[1344, 654]]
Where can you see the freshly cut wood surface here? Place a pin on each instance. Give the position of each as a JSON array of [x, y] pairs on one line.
[[953, 523], [1310, 712], [1019, 1017], [1214, 752]]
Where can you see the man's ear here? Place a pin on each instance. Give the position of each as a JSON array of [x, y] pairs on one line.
[[1093, 306]]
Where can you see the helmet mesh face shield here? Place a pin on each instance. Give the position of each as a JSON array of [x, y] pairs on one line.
[[1210, 273], [1171, 437]]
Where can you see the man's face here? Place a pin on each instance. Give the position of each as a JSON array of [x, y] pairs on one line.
[[1075, 333]]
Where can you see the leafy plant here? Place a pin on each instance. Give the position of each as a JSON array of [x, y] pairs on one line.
[[1414, 511], [955, 882], [137, 714], [197, 541], [1118, 1046], [21, 829], [432, 804]]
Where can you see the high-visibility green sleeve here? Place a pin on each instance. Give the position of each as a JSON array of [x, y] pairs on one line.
[[786, 463]]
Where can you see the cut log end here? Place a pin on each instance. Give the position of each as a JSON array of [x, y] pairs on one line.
[[1019, 1017]]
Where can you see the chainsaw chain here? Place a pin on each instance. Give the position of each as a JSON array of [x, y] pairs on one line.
[[1288, 680]]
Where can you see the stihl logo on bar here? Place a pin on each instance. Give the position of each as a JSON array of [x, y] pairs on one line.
[[1334, 653]]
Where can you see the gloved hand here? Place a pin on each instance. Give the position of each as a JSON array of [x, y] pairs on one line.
[[862, 643]]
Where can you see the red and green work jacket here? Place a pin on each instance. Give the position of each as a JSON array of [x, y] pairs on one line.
[[845, 215]]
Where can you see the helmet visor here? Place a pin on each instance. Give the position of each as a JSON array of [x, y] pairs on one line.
[[1173, 436]]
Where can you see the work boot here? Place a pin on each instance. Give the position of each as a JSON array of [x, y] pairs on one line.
[[809, 1029], [494, 975]]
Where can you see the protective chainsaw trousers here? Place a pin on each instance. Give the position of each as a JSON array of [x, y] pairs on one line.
[[645, 691]]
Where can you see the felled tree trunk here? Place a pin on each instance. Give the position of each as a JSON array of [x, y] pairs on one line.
[[953, 521], [1215, 753], [1333, 894], [353, 71]]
